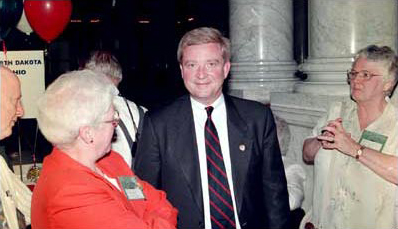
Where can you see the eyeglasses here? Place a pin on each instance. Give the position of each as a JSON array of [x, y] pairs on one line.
[[116, 119], [363, 75]]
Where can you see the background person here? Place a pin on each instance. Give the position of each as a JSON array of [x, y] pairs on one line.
[[83, 184], [208, 133], [295, 174], [15, 196], [355, 157], [131, 115]]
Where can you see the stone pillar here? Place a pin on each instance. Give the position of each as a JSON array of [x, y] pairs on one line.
[[337, 29], [261, 33]]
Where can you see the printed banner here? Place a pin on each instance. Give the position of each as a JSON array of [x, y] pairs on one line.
[[29, 67]]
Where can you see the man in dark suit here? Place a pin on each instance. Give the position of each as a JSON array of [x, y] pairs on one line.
[[221, 166]]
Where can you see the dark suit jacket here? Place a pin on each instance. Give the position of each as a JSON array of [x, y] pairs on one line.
[[167, 157]]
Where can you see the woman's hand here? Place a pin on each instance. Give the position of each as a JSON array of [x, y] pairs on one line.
[[334, 136]]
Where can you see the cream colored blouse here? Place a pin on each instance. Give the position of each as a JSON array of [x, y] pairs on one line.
[[346, 193]]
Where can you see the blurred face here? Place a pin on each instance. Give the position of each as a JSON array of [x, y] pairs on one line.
[[11, 106], [115, 81], [368, 90], [203, 70], [104, 131]]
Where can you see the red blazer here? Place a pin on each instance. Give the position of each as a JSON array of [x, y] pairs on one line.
[[70, 195]]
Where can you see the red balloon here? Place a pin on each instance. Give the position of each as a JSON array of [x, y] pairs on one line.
[[48, 18]]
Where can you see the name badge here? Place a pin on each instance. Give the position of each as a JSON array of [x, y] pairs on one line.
[[132, 188], [373, 140]]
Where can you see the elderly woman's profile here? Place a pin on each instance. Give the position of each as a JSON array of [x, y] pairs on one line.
[[83, 183]]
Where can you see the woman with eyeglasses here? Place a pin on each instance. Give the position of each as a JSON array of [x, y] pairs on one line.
[[354, 150], [83, 183]]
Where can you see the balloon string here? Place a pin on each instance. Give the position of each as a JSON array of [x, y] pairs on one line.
[[5, 51]]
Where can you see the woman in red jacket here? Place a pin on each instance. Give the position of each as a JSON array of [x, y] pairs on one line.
[[83, 183]]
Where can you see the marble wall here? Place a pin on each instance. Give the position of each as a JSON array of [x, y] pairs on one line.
[[261, 30], [261, 33], [337, 29]]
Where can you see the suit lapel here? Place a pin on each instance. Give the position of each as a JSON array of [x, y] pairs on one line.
[[240, 147], [240, 144], [186, 150]]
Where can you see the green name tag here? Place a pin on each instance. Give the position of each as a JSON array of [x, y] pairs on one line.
[[132, 188], [373, 140]]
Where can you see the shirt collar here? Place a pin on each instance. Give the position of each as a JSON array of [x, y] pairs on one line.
[[216, 104]]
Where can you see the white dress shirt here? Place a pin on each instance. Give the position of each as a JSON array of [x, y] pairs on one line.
[[121, 145], [13, 195], [219, 117]]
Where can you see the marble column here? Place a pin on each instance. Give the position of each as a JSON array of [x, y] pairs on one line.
[[261, 33], [337, 29]]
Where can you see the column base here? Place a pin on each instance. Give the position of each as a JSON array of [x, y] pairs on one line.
[[326, 76], [256, 80]]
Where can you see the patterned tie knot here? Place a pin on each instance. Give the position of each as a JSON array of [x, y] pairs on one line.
[[209, 110]]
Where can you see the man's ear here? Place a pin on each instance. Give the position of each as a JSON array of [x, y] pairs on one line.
[[85, 133], [182, 74], [226, 68]]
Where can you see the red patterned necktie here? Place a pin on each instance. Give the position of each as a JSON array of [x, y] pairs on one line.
[[221, 207]]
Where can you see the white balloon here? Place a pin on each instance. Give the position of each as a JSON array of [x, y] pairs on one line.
[[24, 25]]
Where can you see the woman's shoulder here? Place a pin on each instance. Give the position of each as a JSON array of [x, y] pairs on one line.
[[55, 176], [59, 170], [114, 164]]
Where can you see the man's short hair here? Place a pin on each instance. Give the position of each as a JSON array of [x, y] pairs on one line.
[[204, 35]]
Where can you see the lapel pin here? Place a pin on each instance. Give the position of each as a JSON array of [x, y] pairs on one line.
[[242, 147]]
